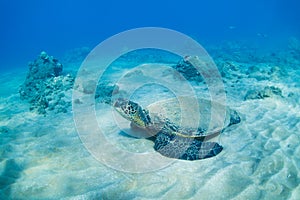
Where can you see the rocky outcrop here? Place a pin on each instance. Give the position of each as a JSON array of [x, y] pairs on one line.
[[189, 72], [45, 86], [268, 91]]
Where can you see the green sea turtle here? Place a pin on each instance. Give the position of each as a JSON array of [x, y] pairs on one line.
[[173, 133]]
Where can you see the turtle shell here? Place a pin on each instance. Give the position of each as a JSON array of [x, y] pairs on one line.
[[194, 117]]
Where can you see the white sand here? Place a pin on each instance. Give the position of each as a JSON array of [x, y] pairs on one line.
[[43, 157]]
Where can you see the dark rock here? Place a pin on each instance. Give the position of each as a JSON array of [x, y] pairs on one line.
[[234, 118], [268, 91], [189, 72], [105, 91]]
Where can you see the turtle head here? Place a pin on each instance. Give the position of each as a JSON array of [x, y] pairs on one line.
[[132, 112]]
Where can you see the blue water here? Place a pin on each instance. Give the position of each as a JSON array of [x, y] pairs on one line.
[[28, 27]]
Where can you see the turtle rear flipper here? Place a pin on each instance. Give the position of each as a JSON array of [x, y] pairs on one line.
[[173, 146]]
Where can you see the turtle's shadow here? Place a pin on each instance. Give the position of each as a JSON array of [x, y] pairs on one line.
[[124, 134], [135, 133]]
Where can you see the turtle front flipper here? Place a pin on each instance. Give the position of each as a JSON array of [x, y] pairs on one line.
[[173, 146]]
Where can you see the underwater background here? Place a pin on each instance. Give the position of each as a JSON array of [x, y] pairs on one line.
[[255, 46], [58, 26]]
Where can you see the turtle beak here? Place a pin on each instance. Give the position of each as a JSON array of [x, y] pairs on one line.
[[119, 102], [118, 105]]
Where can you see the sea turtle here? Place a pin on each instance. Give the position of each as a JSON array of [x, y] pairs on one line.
[[173, 133]]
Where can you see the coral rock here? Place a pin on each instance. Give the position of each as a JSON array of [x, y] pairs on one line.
[[44, 85]]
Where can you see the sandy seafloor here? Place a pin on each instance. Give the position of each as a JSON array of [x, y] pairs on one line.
[[43, 157]]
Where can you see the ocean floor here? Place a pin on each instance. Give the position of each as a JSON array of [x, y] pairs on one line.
[[43, 157]]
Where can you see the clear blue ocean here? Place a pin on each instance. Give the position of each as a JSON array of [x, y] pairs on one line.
[[150, 99]]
